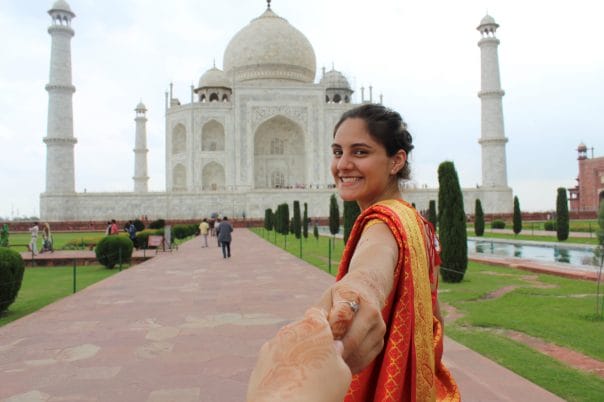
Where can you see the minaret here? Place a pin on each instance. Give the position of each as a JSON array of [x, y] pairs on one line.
[[140, 150], [59, 138], [492, 135]]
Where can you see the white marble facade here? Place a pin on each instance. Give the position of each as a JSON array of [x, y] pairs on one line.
[[254, 135]]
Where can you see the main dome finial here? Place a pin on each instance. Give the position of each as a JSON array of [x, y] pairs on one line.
[[268, 3]]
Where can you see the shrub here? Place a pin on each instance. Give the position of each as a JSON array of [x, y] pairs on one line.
[[305, 221], [451, 224], [517, 222], [111, 249], [139, 225], [351, 212], [478, 218], [334, 216], [12, 268], [158, 224], [562, 228], [549, 225], [498, 224], [432, 213], [182, 231], [315, 232], [297, 220], [268, 219]]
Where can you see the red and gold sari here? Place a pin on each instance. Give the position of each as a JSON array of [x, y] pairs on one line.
[[409, 368]]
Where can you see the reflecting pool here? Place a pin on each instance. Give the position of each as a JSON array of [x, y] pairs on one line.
[[574, 256]]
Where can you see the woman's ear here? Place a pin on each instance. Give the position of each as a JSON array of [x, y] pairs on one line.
[[398, 161]]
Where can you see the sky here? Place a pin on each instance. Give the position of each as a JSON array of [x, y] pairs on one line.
[[422, 56]]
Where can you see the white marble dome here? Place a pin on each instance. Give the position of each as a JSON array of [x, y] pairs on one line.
[[61, 5], [270, 48], [214, 78], [334, 79]]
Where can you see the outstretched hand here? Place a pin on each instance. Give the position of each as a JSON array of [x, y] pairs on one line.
[[361, 331], [294, 365]]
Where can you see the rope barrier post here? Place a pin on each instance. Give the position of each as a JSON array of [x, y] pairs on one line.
[[329, 254], [74, 275]]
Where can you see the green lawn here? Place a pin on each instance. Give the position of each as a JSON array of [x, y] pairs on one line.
[[42, 286], [558, 310], [59, 239]]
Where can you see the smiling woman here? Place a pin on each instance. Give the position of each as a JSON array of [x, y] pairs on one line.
[[384, 306]]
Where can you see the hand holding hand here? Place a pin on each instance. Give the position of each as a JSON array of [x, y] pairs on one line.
[[294, 365], [361, 331]]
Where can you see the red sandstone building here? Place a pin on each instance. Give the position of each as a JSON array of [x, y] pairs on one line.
[[589, 192]]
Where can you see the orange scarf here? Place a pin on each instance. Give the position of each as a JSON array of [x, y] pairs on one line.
[[409, 368]]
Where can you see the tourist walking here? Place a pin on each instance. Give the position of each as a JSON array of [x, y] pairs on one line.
[[33, 244], [224, 236], [204, 228], [113, 229]]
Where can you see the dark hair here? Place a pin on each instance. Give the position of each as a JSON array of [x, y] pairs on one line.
[[386, 127]]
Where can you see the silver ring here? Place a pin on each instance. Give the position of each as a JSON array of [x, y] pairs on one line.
[[354, 306]]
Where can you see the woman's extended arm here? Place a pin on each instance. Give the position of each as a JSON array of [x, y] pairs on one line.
[[368, 282]]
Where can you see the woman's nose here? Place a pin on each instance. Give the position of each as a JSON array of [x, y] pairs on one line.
[[344, 162]]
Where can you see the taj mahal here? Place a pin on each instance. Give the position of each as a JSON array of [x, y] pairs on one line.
[[253, 135]]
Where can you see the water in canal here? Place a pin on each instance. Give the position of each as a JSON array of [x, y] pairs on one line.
[[572, 256]]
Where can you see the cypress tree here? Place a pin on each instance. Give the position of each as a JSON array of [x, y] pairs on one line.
[[268, 219], [305, 221], [451, 224], [432, 213], [351, 211], [562, 224], [277, 219], [517, 216], [297, 220], [334, 216], [315, 231], [478, 219], [284, 219]]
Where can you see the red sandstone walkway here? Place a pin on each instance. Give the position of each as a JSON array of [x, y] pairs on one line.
[[186, 326]]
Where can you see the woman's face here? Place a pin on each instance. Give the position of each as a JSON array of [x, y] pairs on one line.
[[360, 166]]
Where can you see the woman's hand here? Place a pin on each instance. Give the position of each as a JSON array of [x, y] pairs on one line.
[[366, 285], [301, 363], [361, 332]]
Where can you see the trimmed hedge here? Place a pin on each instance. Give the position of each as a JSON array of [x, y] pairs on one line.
[[182, 231], [112, 248], [158, 224], [550, 226], [498, 224], [12, 268]]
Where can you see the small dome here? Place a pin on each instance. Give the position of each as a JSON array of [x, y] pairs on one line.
[[214, 78], [582, 147], [487, 19], [270, 48], [334, 80], [141, 106], [61, 5]]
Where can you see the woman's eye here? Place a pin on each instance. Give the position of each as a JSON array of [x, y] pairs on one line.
[[360, 152], [337, 152]]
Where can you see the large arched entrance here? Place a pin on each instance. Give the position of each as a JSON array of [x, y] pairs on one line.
[[279, 157]]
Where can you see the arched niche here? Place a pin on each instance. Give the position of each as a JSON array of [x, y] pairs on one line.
[[179, 178], [213, 177], [279, 147], [212, 136], [179, 139]]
